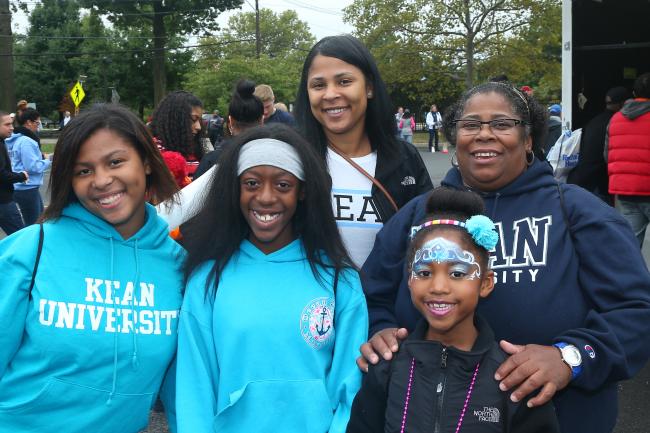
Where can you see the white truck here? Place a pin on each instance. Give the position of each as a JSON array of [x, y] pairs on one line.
[[605, 43]]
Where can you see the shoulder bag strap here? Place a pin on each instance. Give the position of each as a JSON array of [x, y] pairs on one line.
[[565, 214], [41, 235], [366, 174]]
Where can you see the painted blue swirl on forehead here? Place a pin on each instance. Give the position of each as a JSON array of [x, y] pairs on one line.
[[440, 250]]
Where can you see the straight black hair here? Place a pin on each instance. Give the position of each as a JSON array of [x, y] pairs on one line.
[[246, 108], [217, 230], [380, 123]]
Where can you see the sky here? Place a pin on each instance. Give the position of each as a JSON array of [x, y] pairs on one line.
[[323, 18]]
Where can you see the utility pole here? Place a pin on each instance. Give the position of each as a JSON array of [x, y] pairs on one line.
[[7, 90], [258, 43]]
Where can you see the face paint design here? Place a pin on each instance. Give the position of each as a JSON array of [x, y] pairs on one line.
[[441, 250]]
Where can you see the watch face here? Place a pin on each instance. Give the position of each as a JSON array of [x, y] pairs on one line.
[[571, 355]]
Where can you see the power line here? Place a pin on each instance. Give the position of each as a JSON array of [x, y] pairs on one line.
[[138, 50]]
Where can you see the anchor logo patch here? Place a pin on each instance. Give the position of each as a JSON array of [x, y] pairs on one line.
[[317, 322]]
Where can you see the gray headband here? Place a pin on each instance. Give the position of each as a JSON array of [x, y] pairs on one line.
[[269, 151]]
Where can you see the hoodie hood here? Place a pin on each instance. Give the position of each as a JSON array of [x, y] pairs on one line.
[[636, 108], [150, 236], [292, 252], [27, 133], [537, 176]]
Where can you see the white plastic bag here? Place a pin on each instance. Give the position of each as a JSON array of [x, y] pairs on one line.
[[565, 153]]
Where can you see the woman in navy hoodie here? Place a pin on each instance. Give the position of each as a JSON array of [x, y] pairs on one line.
[[571, 302]]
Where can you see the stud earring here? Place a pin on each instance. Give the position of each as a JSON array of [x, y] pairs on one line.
[[369, 94]]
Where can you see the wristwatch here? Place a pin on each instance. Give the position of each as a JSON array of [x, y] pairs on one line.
[[571, 357]]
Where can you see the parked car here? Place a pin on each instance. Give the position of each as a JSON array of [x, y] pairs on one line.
[[47, 123]]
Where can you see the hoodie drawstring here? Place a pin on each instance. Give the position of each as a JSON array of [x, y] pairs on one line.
[[494, 206], [110, 396], [136, 284]]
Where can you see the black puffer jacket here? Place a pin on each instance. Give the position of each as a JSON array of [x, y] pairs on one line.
[[7, 176], [404, 176], [441, 379]]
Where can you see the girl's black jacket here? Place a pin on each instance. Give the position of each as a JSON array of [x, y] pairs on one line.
[[441, 378]]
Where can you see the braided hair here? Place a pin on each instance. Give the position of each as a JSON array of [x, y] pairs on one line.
[[172, 124]]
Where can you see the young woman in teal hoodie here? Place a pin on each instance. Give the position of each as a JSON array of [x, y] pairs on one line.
[[273, 310], [90, 297]]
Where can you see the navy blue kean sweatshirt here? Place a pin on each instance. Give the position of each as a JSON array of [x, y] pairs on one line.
[[588, 286]]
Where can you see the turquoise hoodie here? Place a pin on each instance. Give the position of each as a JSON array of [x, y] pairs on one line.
[[70, 360], [264, 356]]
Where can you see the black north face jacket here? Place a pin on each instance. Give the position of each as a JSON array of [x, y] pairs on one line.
[[441, 378], [404, 177]]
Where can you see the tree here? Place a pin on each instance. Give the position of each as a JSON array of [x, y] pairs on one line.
[[42, 66], [7, 96], [460, 32], [534, 57], [223, 60], [166, 19]]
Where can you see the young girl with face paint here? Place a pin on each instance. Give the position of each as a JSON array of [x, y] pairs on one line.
[[442, 378], [273, 313]]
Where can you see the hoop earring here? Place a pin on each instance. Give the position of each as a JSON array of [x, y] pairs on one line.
[[529, 161], [454, 160]]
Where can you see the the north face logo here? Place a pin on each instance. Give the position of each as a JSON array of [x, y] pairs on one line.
[[408, 180], [488, 414]]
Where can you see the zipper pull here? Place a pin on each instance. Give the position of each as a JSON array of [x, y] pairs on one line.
[[443, 360], [439, 388]]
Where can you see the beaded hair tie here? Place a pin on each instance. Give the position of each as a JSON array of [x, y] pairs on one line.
[[480, 227]]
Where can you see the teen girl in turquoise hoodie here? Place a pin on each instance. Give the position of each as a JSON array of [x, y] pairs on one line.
[[89, 317], [273, 313]]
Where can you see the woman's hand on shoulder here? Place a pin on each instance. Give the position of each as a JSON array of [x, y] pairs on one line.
[[384, 343], [529, 368]]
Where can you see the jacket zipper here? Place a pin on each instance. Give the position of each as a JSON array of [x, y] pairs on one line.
[[440, 390]]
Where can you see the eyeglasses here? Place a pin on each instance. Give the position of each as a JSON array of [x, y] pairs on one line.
[[497, 126]]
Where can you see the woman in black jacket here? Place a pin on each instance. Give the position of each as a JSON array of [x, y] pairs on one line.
[[343, 109]]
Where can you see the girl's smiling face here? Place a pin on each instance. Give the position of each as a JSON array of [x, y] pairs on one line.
[[109, 180], [338, 95], [268, 200], [446, 282]]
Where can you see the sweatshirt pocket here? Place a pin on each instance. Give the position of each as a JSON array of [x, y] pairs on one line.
[[67, 407], [277, 406]]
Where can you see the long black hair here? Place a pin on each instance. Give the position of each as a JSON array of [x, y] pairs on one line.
[[380, 123], [122, 122], [524, 106], [172, 124], [219, 227], [448, 203]]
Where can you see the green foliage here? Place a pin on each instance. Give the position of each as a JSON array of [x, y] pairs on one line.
[[165, 20], [108, 57], [454, 40], [45, 79], [223, 60]]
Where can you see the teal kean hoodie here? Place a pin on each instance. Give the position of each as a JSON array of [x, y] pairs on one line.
[[274, 351], [89, 349]]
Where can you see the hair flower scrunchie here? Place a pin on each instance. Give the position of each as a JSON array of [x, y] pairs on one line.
[[483, 231]]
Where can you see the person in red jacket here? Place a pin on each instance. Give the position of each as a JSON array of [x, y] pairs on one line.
[[628, 158]]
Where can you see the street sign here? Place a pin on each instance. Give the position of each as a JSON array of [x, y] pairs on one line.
[[77, 94]]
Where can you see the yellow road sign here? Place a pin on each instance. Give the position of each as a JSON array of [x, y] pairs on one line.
[[77, 94]]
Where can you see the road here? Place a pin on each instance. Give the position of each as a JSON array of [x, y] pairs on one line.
[[634, 395]]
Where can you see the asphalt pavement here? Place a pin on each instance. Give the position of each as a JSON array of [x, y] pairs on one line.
[[634, 395]]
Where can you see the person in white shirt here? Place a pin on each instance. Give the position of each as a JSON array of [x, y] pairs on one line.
[[433, 121]]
